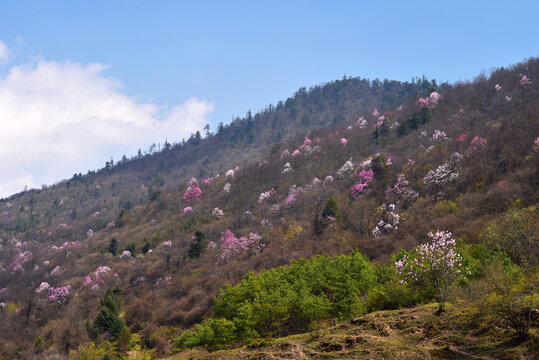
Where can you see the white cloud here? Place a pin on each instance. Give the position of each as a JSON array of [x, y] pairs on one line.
[[60, 118], [4, 52]]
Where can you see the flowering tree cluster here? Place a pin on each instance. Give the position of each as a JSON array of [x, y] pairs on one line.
[[187, 209], [57, 271], [42, 287], [17, 264], [287, 168], [59, 295], [66, 245], [126, 255], [437, 180], [218, 213], [192, 194], [192, 182], [346, 170], [497, 87], [285, 154], [360, 188], [430, 101], [437, 262], [293, 194], [229, 173], [232, 246], [438, 136], [226, 187], [167, 244], [476, 145], [305, 148], [344, 141], [163, 281], [524, 80], [462, 138], [401, 192], [389, 221], [316, 181], [101, 270], [361, 122], [265, 195], [328, 180]]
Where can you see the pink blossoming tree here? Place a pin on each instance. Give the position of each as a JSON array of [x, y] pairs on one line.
[[232, 246], [437, 262], [192, 194], [360, 188]]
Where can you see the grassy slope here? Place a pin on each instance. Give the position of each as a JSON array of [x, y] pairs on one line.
[[414, 333]]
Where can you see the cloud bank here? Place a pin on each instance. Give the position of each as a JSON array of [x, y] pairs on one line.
[[4, 53], [60, 118]]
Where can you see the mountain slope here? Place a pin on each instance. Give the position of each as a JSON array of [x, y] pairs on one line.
[[171, 255]]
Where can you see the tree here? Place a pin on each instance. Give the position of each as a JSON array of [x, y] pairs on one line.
[[516, 232], [108, 320], [330, 214], [331, 210], [122, 215], [147, 246], [220, 127], [132, 248], [196, 247], [437, 262], [113, 246]]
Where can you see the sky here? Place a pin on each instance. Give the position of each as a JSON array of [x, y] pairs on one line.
[[84, 81]]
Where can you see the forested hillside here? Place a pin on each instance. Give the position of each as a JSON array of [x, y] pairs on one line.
[[352, 197]]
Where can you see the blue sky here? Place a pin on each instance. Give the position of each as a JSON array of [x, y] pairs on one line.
[[202, 62]]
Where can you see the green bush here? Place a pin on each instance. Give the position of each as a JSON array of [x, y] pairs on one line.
[[516, 232], [213, 334]]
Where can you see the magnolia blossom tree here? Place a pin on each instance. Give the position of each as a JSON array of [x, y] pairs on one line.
[[388, 222], [476, 145], [293, 194], [346, 170], [430, 101], [328, 180], [360, 188], [265, 195], [437, 180], [59, 295], [287, 168], [232, 246], [218, 213], [401, 192], [524, 80], [437, 262], [192, 194]]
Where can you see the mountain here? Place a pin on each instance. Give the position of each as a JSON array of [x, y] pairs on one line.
[[310, 212]]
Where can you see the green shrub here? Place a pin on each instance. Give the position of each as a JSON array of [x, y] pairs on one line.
[[213, 334]]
